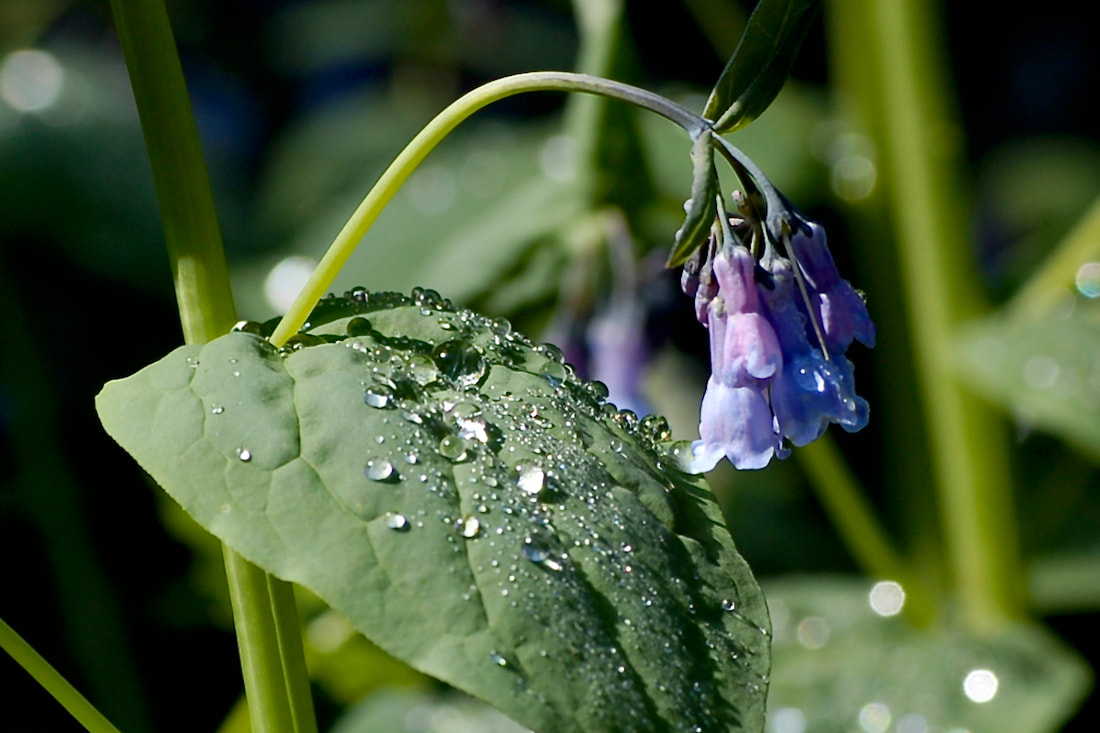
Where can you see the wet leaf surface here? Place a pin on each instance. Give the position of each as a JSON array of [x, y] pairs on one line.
[[470, 505]]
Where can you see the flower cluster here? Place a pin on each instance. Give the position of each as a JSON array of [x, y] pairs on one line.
[[779, 328]]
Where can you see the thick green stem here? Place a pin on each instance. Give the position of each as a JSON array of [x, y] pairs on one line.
[[264, 613], [415, 152], [54, 683], [969, 453]]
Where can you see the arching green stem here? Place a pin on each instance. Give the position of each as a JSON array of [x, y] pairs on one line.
[[446, 121]]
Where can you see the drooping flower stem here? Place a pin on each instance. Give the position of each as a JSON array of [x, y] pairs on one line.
[[266, 618], [968, 448], [425, 141]]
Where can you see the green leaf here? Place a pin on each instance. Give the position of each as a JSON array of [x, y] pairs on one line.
[[702, 208], [839, 666], [471, 506], [762, 62], [1043, 372]]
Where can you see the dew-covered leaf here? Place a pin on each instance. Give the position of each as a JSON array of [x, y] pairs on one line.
[[702, 207], [470, 505], [840, 666], [1047, 373], [760, 65]]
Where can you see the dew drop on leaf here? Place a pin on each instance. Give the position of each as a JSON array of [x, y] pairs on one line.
[[532, 479], [398, 522], [359, 327], [452, 448], [245, 455], [470, 527], [379, 469], [461, 361], [378, 395]]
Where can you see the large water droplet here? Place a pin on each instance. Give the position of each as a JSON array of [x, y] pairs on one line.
[[378, 395], [398, 522], [452, 448], [379, 469], [359, 326], [539, 555], [469, 527], [461, 361], [531, 479], [217, 410], [422, 369], [244, 454]]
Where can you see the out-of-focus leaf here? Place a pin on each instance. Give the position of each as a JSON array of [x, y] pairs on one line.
[[423, 711], [839, 666], [702, 208], [475, 206], [1066, 581], [474, 509], [762, 62], [1047, 373]]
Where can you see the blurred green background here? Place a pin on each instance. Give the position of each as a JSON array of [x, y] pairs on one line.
[[556, 214]]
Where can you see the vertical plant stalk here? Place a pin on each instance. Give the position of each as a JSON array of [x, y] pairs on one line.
[[41, 670], [264, 613], [969, 453]]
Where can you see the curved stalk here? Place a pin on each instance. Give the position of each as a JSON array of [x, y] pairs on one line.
[[446, 121]]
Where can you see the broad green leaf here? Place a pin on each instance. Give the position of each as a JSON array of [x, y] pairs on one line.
[[840, 666], [702, 208], [1044, 372], [470, 505], [762, 62]]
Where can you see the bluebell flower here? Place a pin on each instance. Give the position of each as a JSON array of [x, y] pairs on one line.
[[839, 308], [779, 374]]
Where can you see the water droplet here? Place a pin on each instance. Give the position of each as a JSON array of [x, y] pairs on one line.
[[616, 445], [598, 390], [469, 527], [539, 555], [461, 361], [497, 658], [359, 294], [551, 352], [244, 454], [217, 410], [500, 326], [379, 469], [398, 522], [422, 369], [656, 426], [359, 326], [412, 457], [378, 395], [427, 298], [452, 448], [248, 327], [531, 479]]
